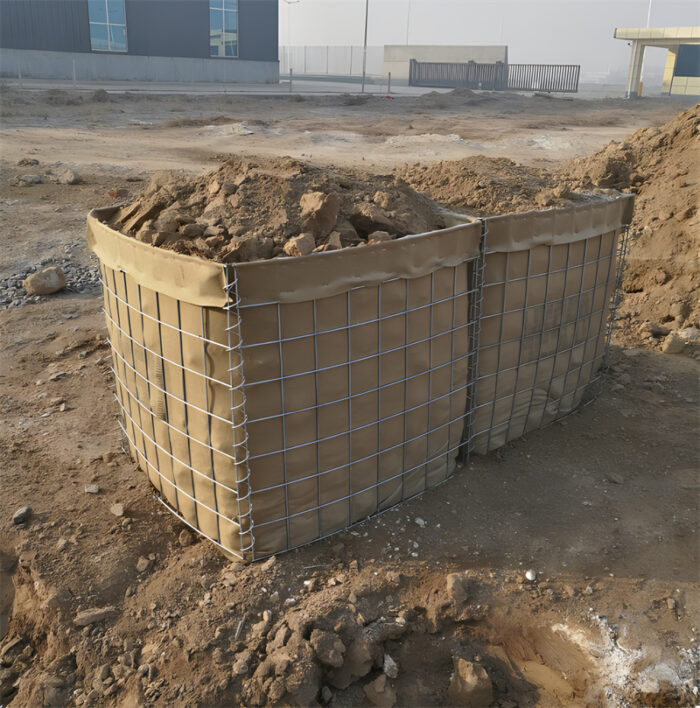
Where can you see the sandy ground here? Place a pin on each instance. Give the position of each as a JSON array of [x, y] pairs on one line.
[[603, 505]]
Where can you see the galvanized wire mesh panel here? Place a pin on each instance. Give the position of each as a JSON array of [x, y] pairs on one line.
[[355, 401], [267, 425], [175, 376], [545, 330], [307, 416]]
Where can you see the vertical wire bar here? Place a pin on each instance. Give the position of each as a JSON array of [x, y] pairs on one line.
[[476, 286], [379, 384], [452, 365], [405, 389], [498, 356], [206, 405], [561, 324], [239, 429], [318, 423], [284, 428], [430, 379], [185, 411], [573, 336], [148, 384], [350, 484], [165, 401], [617, 290], [124, 365], [542, 334], [520, 348], [133, 361], [590, 315]]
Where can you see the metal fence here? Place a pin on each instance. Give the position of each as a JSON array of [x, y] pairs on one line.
[[560, 78]]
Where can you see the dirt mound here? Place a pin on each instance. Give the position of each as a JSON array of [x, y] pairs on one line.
[[252, 209], [486, 186], [661, 166]]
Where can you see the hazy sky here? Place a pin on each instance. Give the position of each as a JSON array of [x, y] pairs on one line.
[[536, 31]]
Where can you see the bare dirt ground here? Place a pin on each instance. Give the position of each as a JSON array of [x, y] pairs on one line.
[[603, 506]]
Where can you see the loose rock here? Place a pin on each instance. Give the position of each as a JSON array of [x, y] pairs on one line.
[[142, 564], [300, 245], [328, 647], [45, 282], [92, 615], [380, 693], [470, 685], [673, 344], [22, 515], [391, 668], [455, 588], [319, 212], [185, 538]]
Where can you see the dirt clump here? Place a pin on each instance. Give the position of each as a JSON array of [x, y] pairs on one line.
[[485, 186], [257, 209], [661, 281]]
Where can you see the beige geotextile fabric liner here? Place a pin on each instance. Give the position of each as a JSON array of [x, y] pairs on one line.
[[400, 383], [405, 405], [544, 315]]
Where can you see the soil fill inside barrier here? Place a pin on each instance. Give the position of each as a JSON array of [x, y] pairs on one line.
[[278, 401]]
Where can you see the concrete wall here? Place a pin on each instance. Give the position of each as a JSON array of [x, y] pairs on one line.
[[397, 57], [329, 60], [155, 28], [126, 67]]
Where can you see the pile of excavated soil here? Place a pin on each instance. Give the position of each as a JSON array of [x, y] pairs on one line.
[[249, 210], [484, 186], [661, 281]]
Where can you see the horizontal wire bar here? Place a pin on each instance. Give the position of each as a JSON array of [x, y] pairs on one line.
[[549, 356], [161, 322], [359, 359], [398, 382], [175, 513], [160, 356], [362, 459], [231, 286], [494, 401], [179, 489], [167, 393], [355, 325], [361, 491], [170, 425], [537, 305], [489, 283]]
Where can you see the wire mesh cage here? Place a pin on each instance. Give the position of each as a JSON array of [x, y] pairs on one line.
[[278, 402]]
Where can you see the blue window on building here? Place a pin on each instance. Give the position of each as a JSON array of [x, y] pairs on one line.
[[223, 28], [107, 25]]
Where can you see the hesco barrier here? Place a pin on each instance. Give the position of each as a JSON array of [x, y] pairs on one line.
[[277, 402]]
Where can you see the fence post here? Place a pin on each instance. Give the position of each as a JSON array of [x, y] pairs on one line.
[[388, 84], [290, 79], [19, 74], [73, 73]]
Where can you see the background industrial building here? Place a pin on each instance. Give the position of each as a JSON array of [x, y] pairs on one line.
[[682, 70], [143, 40]]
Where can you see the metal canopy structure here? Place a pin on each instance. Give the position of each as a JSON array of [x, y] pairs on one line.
[[680, 77]]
